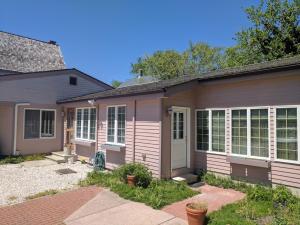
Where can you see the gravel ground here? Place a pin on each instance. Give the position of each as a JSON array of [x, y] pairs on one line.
[[17, 181]]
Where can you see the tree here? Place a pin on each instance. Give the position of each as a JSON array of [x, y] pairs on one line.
[[162, 64], [275, 34], [116, 83], [201, 58]]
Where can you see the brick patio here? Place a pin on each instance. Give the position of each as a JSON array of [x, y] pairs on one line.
[[48, 210]]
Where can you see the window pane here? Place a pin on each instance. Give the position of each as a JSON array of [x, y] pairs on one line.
[[78, 123], [239, 132], [47, 124], [202, 130], [218, 131], [121, 124], [32, 124], [92, 124], [286, 133], [85, 124], [180, 125], [259, 132], [174, 125], [111, 124]]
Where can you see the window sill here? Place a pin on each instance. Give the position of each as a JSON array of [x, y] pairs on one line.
[[113, 147], [286, 161], [264, 163], [85, 142], [212, 152]]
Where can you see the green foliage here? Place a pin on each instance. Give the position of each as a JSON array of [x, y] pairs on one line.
[[283, 196], [19, 159], [158, 194], [162, 64], [274, 34], [201, 58], [142, 174], [260, 193], [41, 194], [224, 182], [116, 83]]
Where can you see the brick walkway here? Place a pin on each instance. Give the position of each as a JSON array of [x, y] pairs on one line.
[[48, 210], [215, 198]]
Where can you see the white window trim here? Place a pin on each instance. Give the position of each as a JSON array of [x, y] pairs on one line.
[[249, 132], [116, 125], [40, 135], [81, 131], [210, 131], [275, 134]]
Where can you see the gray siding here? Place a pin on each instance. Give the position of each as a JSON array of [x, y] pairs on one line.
[[46, 89]]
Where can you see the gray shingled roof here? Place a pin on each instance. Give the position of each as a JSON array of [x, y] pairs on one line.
[[138, 81], [161, 86], [22, 54]]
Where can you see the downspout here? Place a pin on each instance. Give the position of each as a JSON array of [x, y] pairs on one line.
[[16, 125], [134, 123]]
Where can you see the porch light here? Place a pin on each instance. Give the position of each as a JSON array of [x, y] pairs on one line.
[[91, 102]]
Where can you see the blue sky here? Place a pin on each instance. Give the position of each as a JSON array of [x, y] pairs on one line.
[[103, 38]]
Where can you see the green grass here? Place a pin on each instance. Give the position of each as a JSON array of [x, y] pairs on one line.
[[41, 194], [157, 195], [262, 205], [20, 158]]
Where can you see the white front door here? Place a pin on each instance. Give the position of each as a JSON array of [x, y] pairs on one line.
[[179, 138]]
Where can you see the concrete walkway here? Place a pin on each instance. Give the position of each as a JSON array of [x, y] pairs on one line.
[[214, 196], [108, 208]]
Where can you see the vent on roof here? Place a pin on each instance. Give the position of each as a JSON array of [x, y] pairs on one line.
[[52, 42]]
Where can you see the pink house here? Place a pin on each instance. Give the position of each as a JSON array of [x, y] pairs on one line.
[[241, 122]]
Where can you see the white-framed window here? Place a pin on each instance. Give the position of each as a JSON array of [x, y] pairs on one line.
[[39, 123], [287, 133], [250, 135], [116, 121], [210, 130], [86, 124]]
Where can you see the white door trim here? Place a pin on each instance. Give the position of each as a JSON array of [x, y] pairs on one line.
[[188, 134]]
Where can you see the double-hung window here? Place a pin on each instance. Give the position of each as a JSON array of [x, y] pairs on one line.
[[39, 123], [210, 131], [116, 119], [250, 132], [86, 124], [287, 133]]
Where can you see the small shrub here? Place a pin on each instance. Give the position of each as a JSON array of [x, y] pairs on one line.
[[20, 158], [283, 196], [41, 194], [260, 193], [142, 174]]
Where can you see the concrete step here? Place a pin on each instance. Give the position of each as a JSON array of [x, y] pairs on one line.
[[188, 178], [56, 158]]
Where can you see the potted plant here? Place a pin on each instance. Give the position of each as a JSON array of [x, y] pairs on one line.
[[130, 180], [196, 212]]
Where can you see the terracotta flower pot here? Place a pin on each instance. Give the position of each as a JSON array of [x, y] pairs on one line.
[[195, 216], [131, 180]]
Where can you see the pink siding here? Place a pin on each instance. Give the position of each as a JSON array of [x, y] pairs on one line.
[[286, 174], [212, 162], [146, 142]]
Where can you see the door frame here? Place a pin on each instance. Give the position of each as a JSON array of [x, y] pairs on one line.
[[188, 134]]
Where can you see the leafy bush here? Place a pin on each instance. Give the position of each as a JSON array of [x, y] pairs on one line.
[[260, 193], [283, 196], [143, 176]]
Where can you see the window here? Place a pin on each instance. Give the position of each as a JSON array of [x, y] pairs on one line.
[[39, 123], [86, 124], [202, 130], [116, 118], [178, 125], [218, 130], [73, 81], [259, 133], [286, 134], [239, 132]]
